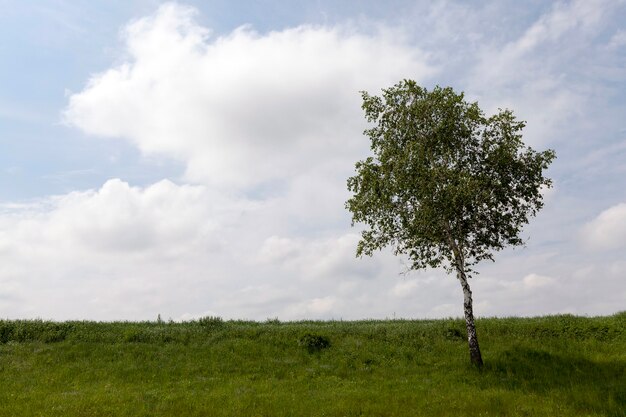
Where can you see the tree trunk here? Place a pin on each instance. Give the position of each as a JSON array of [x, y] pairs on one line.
[[472, 338], [459, 263]]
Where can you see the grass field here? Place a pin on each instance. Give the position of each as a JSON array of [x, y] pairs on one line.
[[547, 366]]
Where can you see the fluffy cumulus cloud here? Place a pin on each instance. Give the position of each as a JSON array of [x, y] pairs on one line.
[[243, 108], [267, 127], [76, 254], [608, 230]]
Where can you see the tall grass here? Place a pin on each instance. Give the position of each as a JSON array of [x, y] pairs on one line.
[[556, 366]]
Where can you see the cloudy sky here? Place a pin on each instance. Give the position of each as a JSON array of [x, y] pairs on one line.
[[190, 159]]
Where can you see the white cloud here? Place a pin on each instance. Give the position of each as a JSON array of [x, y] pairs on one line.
[[242, 108], [321, 305], [118, 218], [533, 281], [531, 294], [607, 230], [115, 252], [123, 252], [547, 74], [542, 46], [411, 286], [405, 288], [323, 258], [577, 15], [618, 39]]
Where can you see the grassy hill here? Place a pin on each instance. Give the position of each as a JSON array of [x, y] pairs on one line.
[[546, 366]]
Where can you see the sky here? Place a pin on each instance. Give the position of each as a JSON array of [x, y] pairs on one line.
[[189, 159]]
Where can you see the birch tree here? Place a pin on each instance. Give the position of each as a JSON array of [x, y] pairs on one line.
[[446, 185]]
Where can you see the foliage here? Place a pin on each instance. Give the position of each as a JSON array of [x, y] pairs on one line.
[[314, 342], [443, 178], [544, 366], [34, 330], [211, 321]]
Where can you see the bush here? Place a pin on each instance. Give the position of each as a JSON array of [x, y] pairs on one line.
[[453, 333], [211, 322], [134, 335], [33, 330], [314, 343], [6, 331]]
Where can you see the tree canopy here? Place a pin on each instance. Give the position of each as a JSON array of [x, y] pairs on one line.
[[442, 173]]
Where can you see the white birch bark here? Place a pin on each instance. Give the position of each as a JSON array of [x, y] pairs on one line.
[[468, 309]]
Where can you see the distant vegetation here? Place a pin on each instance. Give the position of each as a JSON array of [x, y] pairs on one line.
[[546, 366]]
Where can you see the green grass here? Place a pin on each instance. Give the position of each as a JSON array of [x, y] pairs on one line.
[[548, 366]]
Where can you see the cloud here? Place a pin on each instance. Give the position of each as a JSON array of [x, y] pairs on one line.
[[115, 252], [405, 288], [530, 294], [533, 281], [323, 258], [608, 230], [542, 46], [549, 74], [320, 305], [618, 39], [243, 108], [117, 218], [125, 252]]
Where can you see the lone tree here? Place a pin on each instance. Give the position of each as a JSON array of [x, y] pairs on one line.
[[447, 186]]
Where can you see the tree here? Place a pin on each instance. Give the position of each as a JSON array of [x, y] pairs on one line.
[[446, 186]]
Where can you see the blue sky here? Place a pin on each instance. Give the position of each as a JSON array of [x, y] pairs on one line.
[[190, 158]]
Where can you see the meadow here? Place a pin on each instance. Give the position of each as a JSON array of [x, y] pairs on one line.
[[544, 366]]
